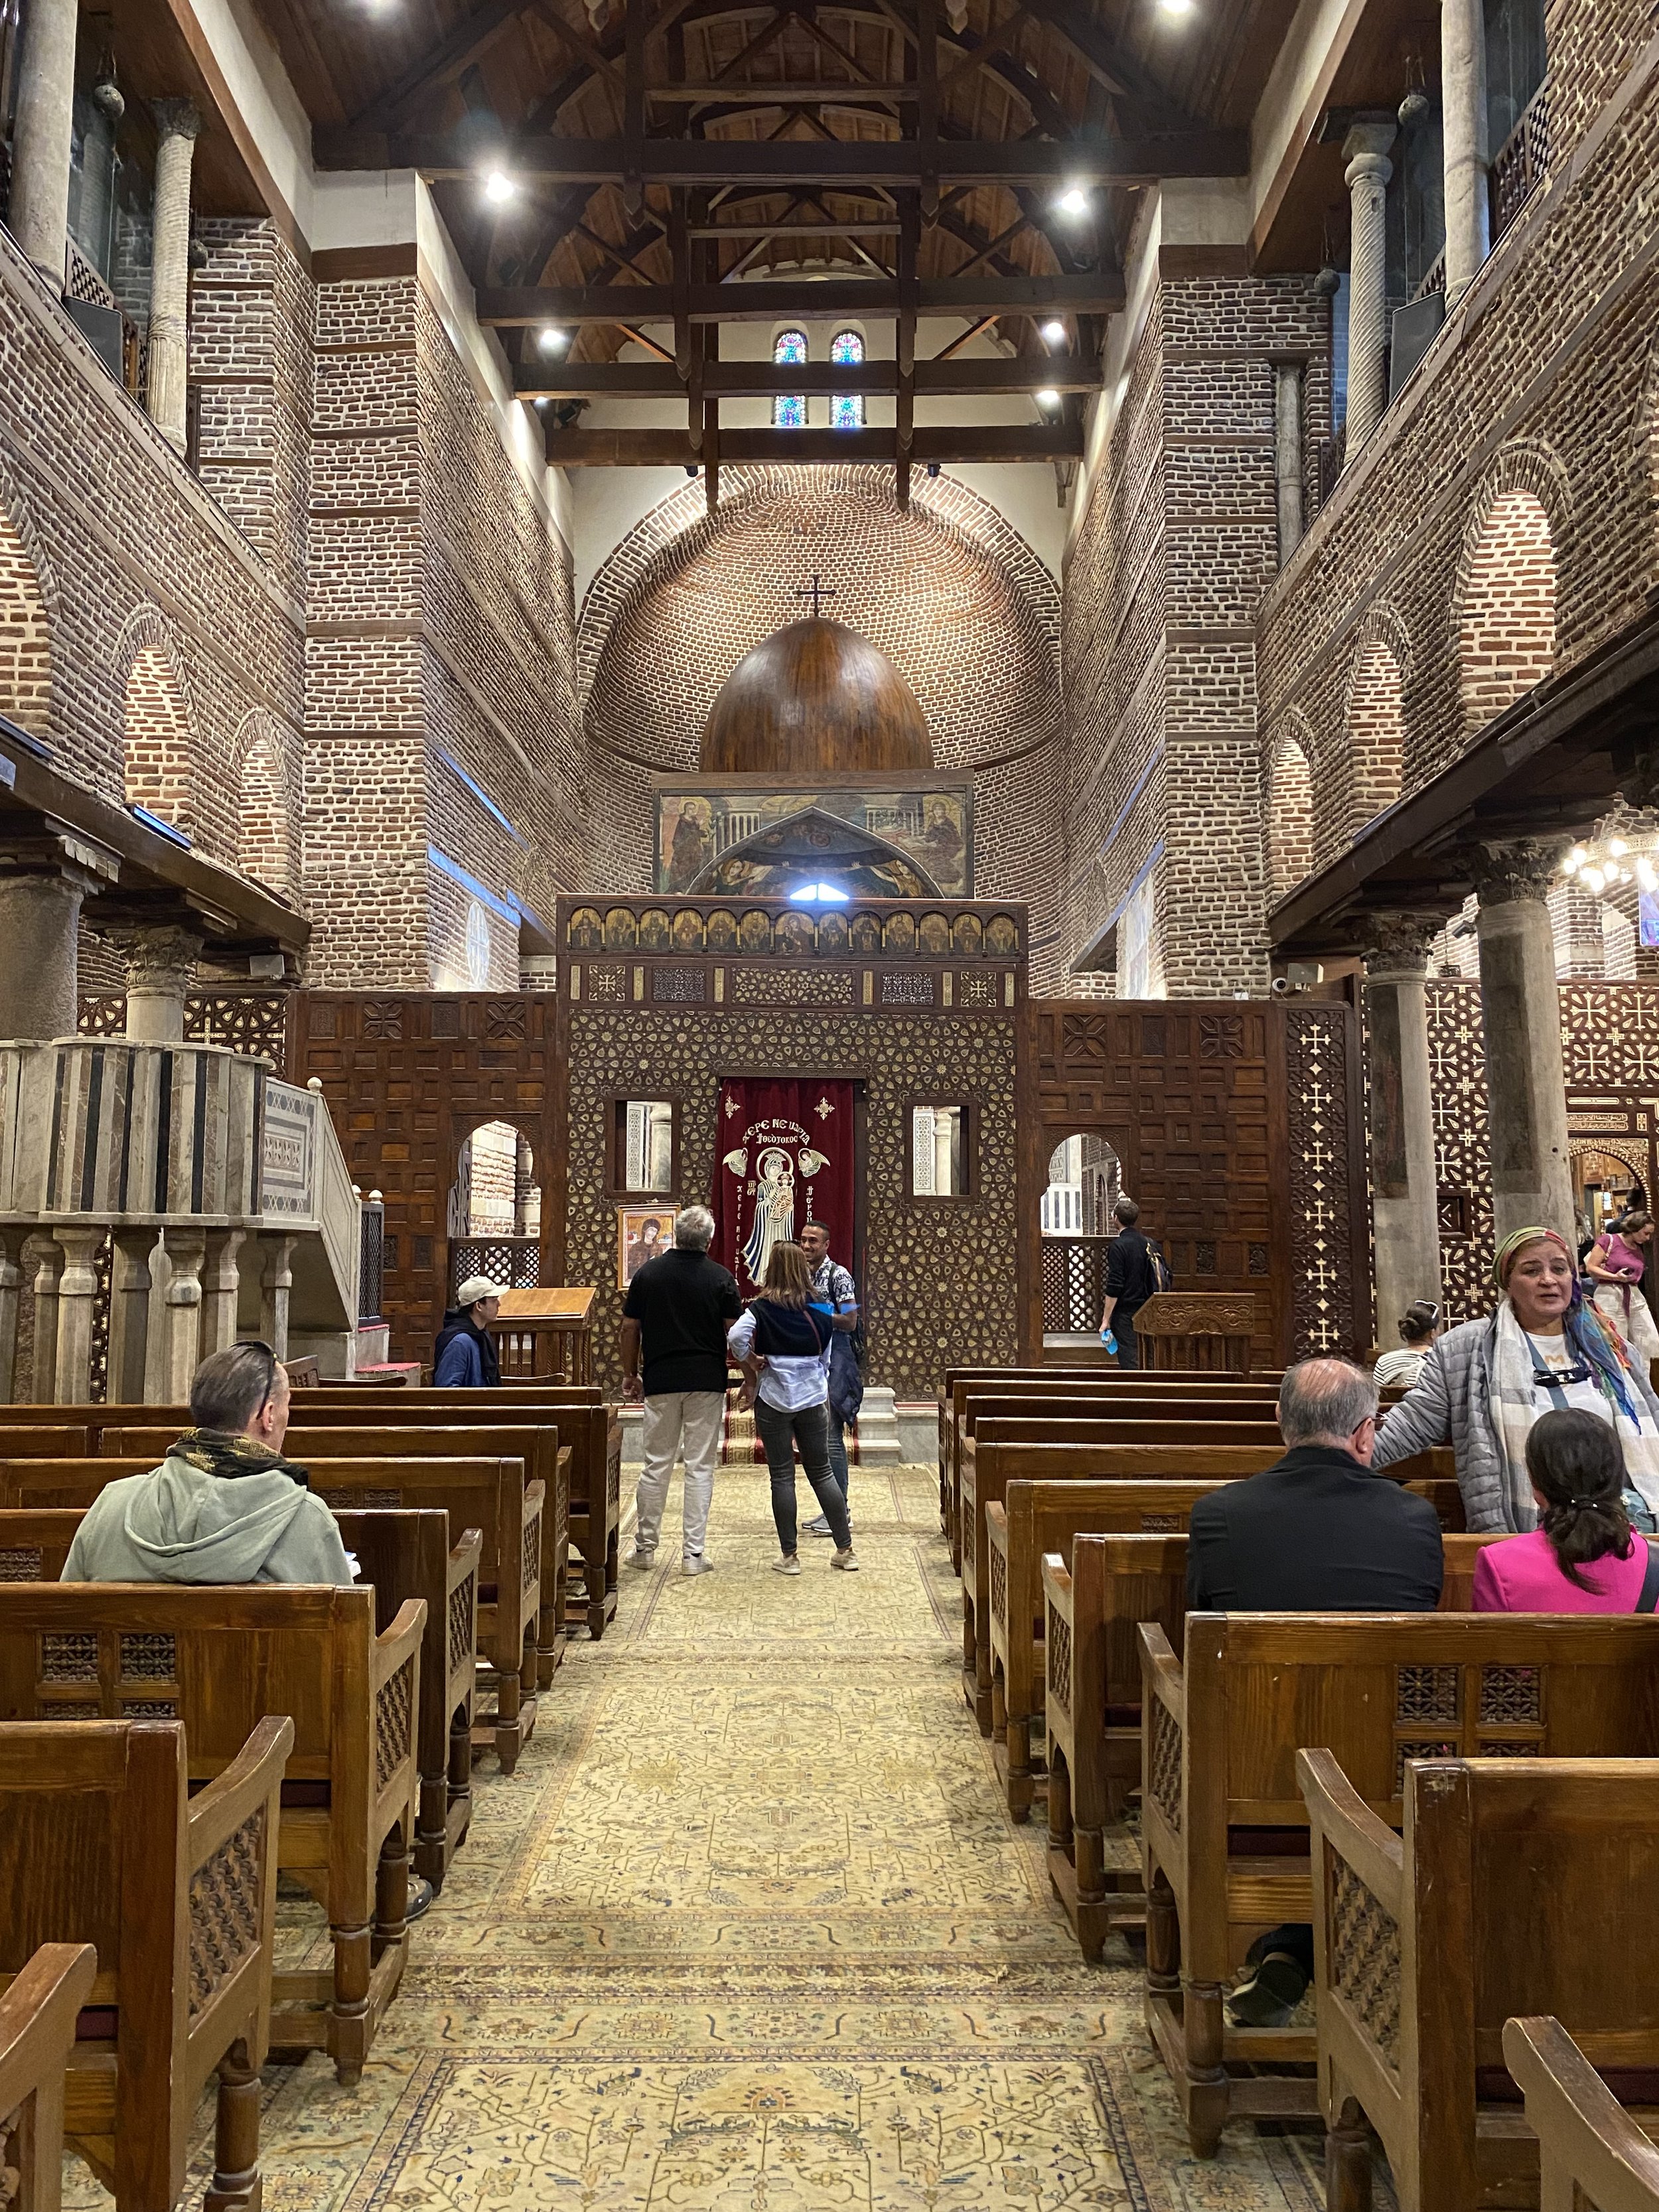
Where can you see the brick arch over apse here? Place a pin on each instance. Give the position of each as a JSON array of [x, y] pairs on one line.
[[951, 592], [27, 605], [159, 743], [1505, 603]]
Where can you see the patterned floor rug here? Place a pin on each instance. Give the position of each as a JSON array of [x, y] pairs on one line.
[[748, 1931]]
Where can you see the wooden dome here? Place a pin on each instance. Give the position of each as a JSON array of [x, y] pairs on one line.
[[815, 699]]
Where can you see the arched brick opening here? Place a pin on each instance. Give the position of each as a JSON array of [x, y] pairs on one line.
[[267, 833], [1290, 816], [1506, 607], [1376, 717], [25, 635], [156, 725]]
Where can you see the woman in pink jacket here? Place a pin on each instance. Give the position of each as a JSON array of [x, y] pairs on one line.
[[1583, 1556]]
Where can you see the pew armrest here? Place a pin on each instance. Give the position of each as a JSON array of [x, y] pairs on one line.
[[996, 1546], [1341, 1815], [36, 2034], [231, 1848], [395, 1683], [1589, 2146], [461, 1603]]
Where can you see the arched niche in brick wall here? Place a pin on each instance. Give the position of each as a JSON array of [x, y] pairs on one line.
[[25, 633], [1290, 810], [268, 826], [1375, 719], [158, 747], [1506, 605]]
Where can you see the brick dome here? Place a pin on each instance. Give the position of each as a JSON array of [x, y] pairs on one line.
[[816, 697]]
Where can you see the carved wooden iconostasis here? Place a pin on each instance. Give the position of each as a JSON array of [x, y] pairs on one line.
[[917, 1004]]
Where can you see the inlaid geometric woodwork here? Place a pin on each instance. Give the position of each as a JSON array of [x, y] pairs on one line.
[[251, 1022], [407, 1079], [394, 1706], [1058, 1648], [1230, 1121], [1165, 1781], [1462, 1153], [937, 1283]]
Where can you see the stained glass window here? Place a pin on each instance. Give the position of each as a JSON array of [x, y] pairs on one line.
[[846, 408], [789, 408]]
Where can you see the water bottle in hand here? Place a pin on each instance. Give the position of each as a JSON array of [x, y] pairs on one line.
[[1108, 1340]]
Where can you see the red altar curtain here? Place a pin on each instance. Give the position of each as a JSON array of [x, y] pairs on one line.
[[784, 1157]]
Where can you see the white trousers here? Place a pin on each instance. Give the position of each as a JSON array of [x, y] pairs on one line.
[[688, 1421]]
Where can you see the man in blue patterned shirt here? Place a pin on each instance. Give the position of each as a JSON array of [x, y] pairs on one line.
[[832, 1287]]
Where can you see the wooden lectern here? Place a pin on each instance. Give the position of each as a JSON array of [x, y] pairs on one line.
[[546, 1334], [1207, 1331]]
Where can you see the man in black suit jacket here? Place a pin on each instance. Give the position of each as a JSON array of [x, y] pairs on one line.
[[1316, 1533]]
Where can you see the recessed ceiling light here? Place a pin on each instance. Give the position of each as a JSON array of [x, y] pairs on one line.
[[542, 400], [550, 340], [499, 187], [1177, 11], [1048, 399], [1053, 332], [1073, 201]]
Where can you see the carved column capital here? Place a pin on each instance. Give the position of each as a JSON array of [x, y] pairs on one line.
[[177, 118], [1507, 869], [158, 956], [1398, 943]]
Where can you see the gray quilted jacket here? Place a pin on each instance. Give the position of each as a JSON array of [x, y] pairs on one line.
[[1450, 1403]]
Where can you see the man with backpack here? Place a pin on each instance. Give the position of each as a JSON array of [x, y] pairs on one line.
[[1136, 1270], [833, 1289]]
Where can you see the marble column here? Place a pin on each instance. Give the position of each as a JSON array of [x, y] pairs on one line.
[[1287, 452], [11, 1293], [1405, 1214], [1521, 1017], [179, 126], [276, 1287], [48, 1268], [1466, 154], [1366, 151], [41, 889], [182, 1320], [42, 132], [160, 959], [129, 1315], [77, 1293], [221, 1288]]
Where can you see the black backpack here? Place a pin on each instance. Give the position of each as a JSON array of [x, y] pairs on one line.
[[1158, 1268]]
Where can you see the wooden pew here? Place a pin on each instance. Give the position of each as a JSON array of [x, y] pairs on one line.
[[404, 1555], [1518, 1885], [27, 1440], [1038, 1403], [536, 1447], [36, 2034], [220, 1661], [1096, 1589], [1224, 1828], [100, 1843], [1149, 1451], [586, 1422], [1590, 2150]]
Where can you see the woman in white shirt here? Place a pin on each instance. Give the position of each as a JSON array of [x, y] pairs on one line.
[[1418, 1327], [782, 1342]]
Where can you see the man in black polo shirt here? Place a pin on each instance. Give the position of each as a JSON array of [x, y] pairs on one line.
[[678, 1308]]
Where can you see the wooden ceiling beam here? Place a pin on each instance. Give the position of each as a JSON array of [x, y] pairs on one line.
[[970, 441], [956, 378], [810, 91], [438, 69], [791, 165], [509, 308]]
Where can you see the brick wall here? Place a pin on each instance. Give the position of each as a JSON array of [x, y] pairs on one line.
[[160, 623], [950, 592], [1166, 573], [1500, 525]]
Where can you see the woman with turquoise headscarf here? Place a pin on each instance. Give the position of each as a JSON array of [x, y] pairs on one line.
[[1485, 1382]]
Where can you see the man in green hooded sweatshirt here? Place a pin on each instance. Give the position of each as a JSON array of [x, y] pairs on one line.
[[224, 1506]]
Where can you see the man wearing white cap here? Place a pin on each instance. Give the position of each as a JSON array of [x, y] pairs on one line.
[[467, 1353]]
